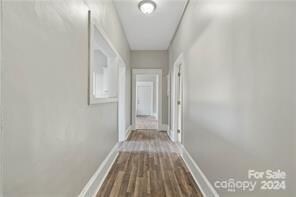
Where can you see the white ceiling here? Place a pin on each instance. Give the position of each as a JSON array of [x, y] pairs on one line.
[[150, 32]]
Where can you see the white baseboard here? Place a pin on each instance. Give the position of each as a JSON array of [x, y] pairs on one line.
[[170, 134], [128, 131], [93, 185], [205, 186]]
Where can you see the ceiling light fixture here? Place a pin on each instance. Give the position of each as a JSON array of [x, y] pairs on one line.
[[147, 6]]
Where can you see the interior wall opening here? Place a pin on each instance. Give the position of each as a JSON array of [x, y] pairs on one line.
[[147, 86], [147, 98], [107, 75], [103, 68]]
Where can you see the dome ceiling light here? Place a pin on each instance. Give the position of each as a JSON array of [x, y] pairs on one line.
[[147, 6]]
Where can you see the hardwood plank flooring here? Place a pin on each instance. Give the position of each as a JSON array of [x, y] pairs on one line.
[[149, 165], [146, 122]]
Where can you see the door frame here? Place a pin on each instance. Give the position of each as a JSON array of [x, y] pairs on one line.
[[157, 72], [121, 100], [174, 112]]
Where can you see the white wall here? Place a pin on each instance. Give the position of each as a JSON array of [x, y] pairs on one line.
[[156, 60], [239, 90], [53, 140]]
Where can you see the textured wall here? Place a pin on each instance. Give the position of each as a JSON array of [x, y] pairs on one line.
[[54, 141], [239, 90]]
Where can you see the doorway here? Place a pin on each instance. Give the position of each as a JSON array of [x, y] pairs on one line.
[[146, 102], [146, 98]]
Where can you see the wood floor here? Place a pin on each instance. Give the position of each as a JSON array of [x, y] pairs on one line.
[[146, 122], [149, 165]]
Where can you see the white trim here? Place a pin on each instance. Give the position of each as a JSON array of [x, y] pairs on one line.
[[174, 114], [128, 131], [121, 101], [169, 99], [157, 72], [93, 185], [171, 135], [104, 100], [204, 184]]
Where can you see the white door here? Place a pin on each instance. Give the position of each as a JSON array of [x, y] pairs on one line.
[[144, 99]]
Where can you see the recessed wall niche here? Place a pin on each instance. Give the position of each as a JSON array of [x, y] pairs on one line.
[[103, 69]]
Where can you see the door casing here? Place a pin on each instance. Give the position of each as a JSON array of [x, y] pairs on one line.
[[177, 95], [121, 101], [157, 72]]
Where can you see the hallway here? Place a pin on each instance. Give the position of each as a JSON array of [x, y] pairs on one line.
[[149, 164], [147, 98]]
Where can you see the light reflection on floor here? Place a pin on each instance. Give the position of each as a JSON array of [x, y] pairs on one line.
[[146, 122]]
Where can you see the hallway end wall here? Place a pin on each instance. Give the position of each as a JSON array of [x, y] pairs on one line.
[[54, 141], [239, 89], [154, 60]]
